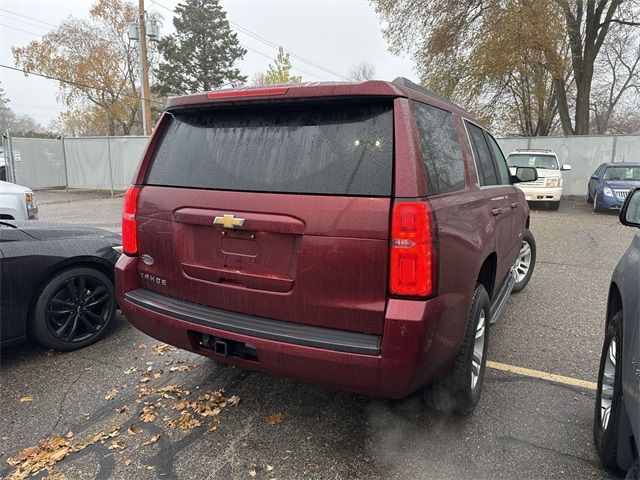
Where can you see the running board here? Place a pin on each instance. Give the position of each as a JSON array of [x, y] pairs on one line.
[[500, 298]]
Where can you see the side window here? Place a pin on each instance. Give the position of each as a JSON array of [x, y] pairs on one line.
[[504, 176], [600, 171], [441, 150], [486, 170]]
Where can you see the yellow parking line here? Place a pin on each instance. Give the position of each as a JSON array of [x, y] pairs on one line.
[[551, 377]]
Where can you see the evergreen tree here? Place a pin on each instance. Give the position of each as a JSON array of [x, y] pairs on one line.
[[202, 53], [280, 71]]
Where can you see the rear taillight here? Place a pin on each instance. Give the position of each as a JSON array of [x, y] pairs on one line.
[[412, 253], [129, 227]]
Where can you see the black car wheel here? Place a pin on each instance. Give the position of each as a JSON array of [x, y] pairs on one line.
[[74, 309], [458, 391], [3, 174], [606, 418]]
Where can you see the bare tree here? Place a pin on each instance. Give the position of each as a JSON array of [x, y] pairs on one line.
[[361, 72], [617, 79]]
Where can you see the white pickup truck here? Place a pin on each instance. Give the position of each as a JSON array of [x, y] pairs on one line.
[[16, 202]]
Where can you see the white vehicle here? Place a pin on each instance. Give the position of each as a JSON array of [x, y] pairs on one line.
[[548, 187], [16, 202]]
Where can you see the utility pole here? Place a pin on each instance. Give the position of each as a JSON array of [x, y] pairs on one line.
[[144, 67]]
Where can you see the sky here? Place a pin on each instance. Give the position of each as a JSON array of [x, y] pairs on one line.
[[333, 34]]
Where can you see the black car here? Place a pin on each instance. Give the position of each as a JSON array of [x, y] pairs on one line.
[[616, 426], [56, 283]]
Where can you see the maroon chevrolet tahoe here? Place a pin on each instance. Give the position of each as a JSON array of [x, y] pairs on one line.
[[362, 236]]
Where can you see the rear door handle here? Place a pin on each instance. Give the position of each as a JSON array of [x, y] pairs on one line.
[[496, 211], [514, 204]]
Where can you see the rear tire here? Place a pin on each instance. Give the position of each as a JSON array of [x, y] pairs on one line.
[[458, 392], [3, 174], [606, 418], [526, 261], [554, 205]]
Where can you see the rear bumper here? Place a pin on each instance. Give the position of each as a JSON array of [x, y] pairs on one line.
[[411, 352], [541, 194]]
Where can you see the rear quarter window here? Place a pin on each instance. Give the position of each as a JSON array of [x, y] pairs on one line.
[[335, 149], [440, 147]]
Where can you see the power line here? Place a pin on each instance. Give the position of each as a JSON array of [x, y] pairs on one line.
[[27, 23], [28, 18], [254, 35], [274, 45], [21, 30], [77, 84], [293, 68]]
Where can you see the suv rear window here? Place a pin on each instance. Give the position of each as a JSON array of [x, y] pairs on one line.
[[335, 149]]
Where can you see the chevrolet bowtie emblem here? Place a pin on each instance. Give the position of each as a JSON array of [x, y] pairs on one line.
[[228, 221]]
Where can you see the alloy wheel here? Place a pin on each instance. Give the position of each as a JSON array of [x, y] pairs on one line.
[[478, 349], [523, 263], [78, 310], [608, 383]]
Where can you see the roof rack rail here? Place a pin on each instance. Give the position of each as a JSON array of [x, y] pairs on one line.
[[405, 82], [533, 150]]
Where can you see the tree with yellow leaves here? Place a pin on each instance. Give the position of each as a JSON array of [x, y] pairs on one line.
[[97, 67]]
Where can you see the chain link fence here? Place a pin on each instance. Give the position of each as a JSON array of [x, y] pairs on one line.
[[102, 163], [583, 153]]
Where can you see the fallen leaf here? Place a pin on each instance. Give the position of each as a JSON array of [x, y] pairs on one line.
[[252, 473], [134, 429], [148, 414], [128, 462], [185, 422], [32, 460], [269, 468], [213, 428], [169, 389], [144, 379], [180, 405], [182, 368], [274, 419], [26, 399], [51, 353], [111, 394], [144, 391], [130, 370], [117, 445], [69, 434], [122, 409], [163, 348], [152, 440], [141, 346]]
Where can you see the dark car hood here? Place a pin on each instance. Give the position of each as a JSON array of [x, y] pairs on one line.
[[52, 231]]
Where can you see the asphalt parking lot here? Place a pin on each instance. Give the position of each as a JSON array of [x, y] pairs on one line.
[[524, 426]]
